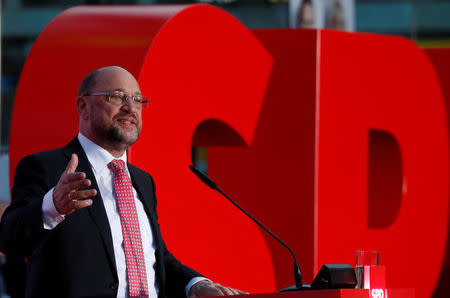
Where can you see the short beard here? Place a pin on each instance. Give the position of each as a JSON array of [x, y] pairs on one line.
[[114, 136]]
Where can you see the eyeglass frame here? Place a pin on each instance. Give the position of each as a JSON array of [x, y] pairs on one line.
[[143, 103]]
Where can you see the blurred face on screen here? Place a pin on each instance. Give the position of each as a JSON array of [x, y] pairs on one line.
[[306, 15]]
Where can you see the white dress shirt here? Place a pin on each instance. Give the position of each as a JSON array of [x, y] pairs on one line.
[[99, 159]]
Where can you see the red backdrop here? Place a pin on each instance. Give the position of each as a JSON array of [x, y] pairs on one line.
[[338, 141]]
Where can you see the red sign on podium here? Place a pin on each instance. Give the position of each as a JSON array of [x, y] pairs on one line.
[[375, 281]]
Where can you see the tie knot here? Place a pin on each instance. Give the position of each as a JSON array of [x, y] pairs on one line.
[[117, 166]]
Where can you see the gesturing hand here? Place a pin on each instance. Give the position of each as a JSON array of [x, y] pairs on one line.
[[207, 288], [66, 196]]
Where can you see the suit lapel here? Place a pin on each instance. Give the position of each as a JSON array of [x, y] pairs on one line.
[[97, 209], [142, 188], [145, 191]]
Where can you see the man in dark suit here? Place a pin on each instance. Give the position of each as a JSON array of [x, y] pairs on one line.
[[85, 219]]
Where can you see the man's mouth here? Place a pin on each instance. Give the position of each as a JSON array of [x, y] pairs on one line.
[[127, 121]]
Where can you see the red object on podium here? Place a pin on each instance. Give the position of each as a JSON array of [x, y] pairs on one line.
[[375, 279]]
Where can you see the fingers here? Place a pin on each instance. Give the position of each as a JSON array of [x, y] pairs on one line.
[[204, 288], [73, 200], [81, 204], [207, 288], [69, 177], [81, 194], [239, 292], [230, 291], [73, 164], [221, 288], [74, 183], [66, 196], [227, 291]]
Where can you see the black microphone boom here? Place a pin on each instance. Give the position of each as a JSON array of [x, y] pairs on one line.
[[203, 177], [297, 272]]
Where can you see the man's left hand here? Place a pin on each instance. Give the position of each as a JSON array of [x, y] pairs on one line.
[[207, 288]]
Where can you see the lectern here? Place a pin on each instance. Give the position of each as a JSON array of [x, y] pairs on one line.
[[342, 293]]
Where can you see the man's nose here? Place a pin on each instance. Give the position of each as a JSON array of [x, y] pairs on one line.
[[130, 106]]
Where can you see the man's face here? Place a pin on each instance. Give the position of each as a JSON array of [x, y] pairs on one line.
[[109, 125]]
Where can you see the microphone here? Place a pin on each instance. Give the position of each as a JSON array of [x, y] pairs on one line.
[[297, 272], [203, 177]]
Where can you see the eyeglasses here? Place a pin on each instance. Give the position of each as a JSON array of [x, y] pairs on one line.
[[118, 98]]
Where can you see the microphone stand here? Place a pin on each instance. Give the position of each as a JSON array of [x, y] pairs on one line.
[[299, 286]]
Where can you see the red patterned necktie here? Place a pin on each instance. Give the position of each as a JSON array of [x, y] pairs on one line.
[[134, 254]]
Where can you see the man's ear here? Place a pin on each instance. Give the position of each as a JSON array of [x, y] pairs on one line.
[[82, 108]]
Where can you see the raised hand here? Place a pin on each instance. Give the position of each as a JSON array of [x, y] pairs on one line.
[[66, 196]]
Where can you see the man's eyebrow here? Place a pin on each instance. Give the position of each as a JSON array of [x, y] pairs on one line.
[[123, 90]]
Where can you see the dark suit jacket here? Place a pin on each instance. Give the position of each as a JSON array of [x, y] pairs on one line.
[[76, 259]]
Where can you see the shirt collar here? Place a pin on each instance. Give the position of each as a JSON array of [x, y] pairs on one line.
[[98, 157]]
